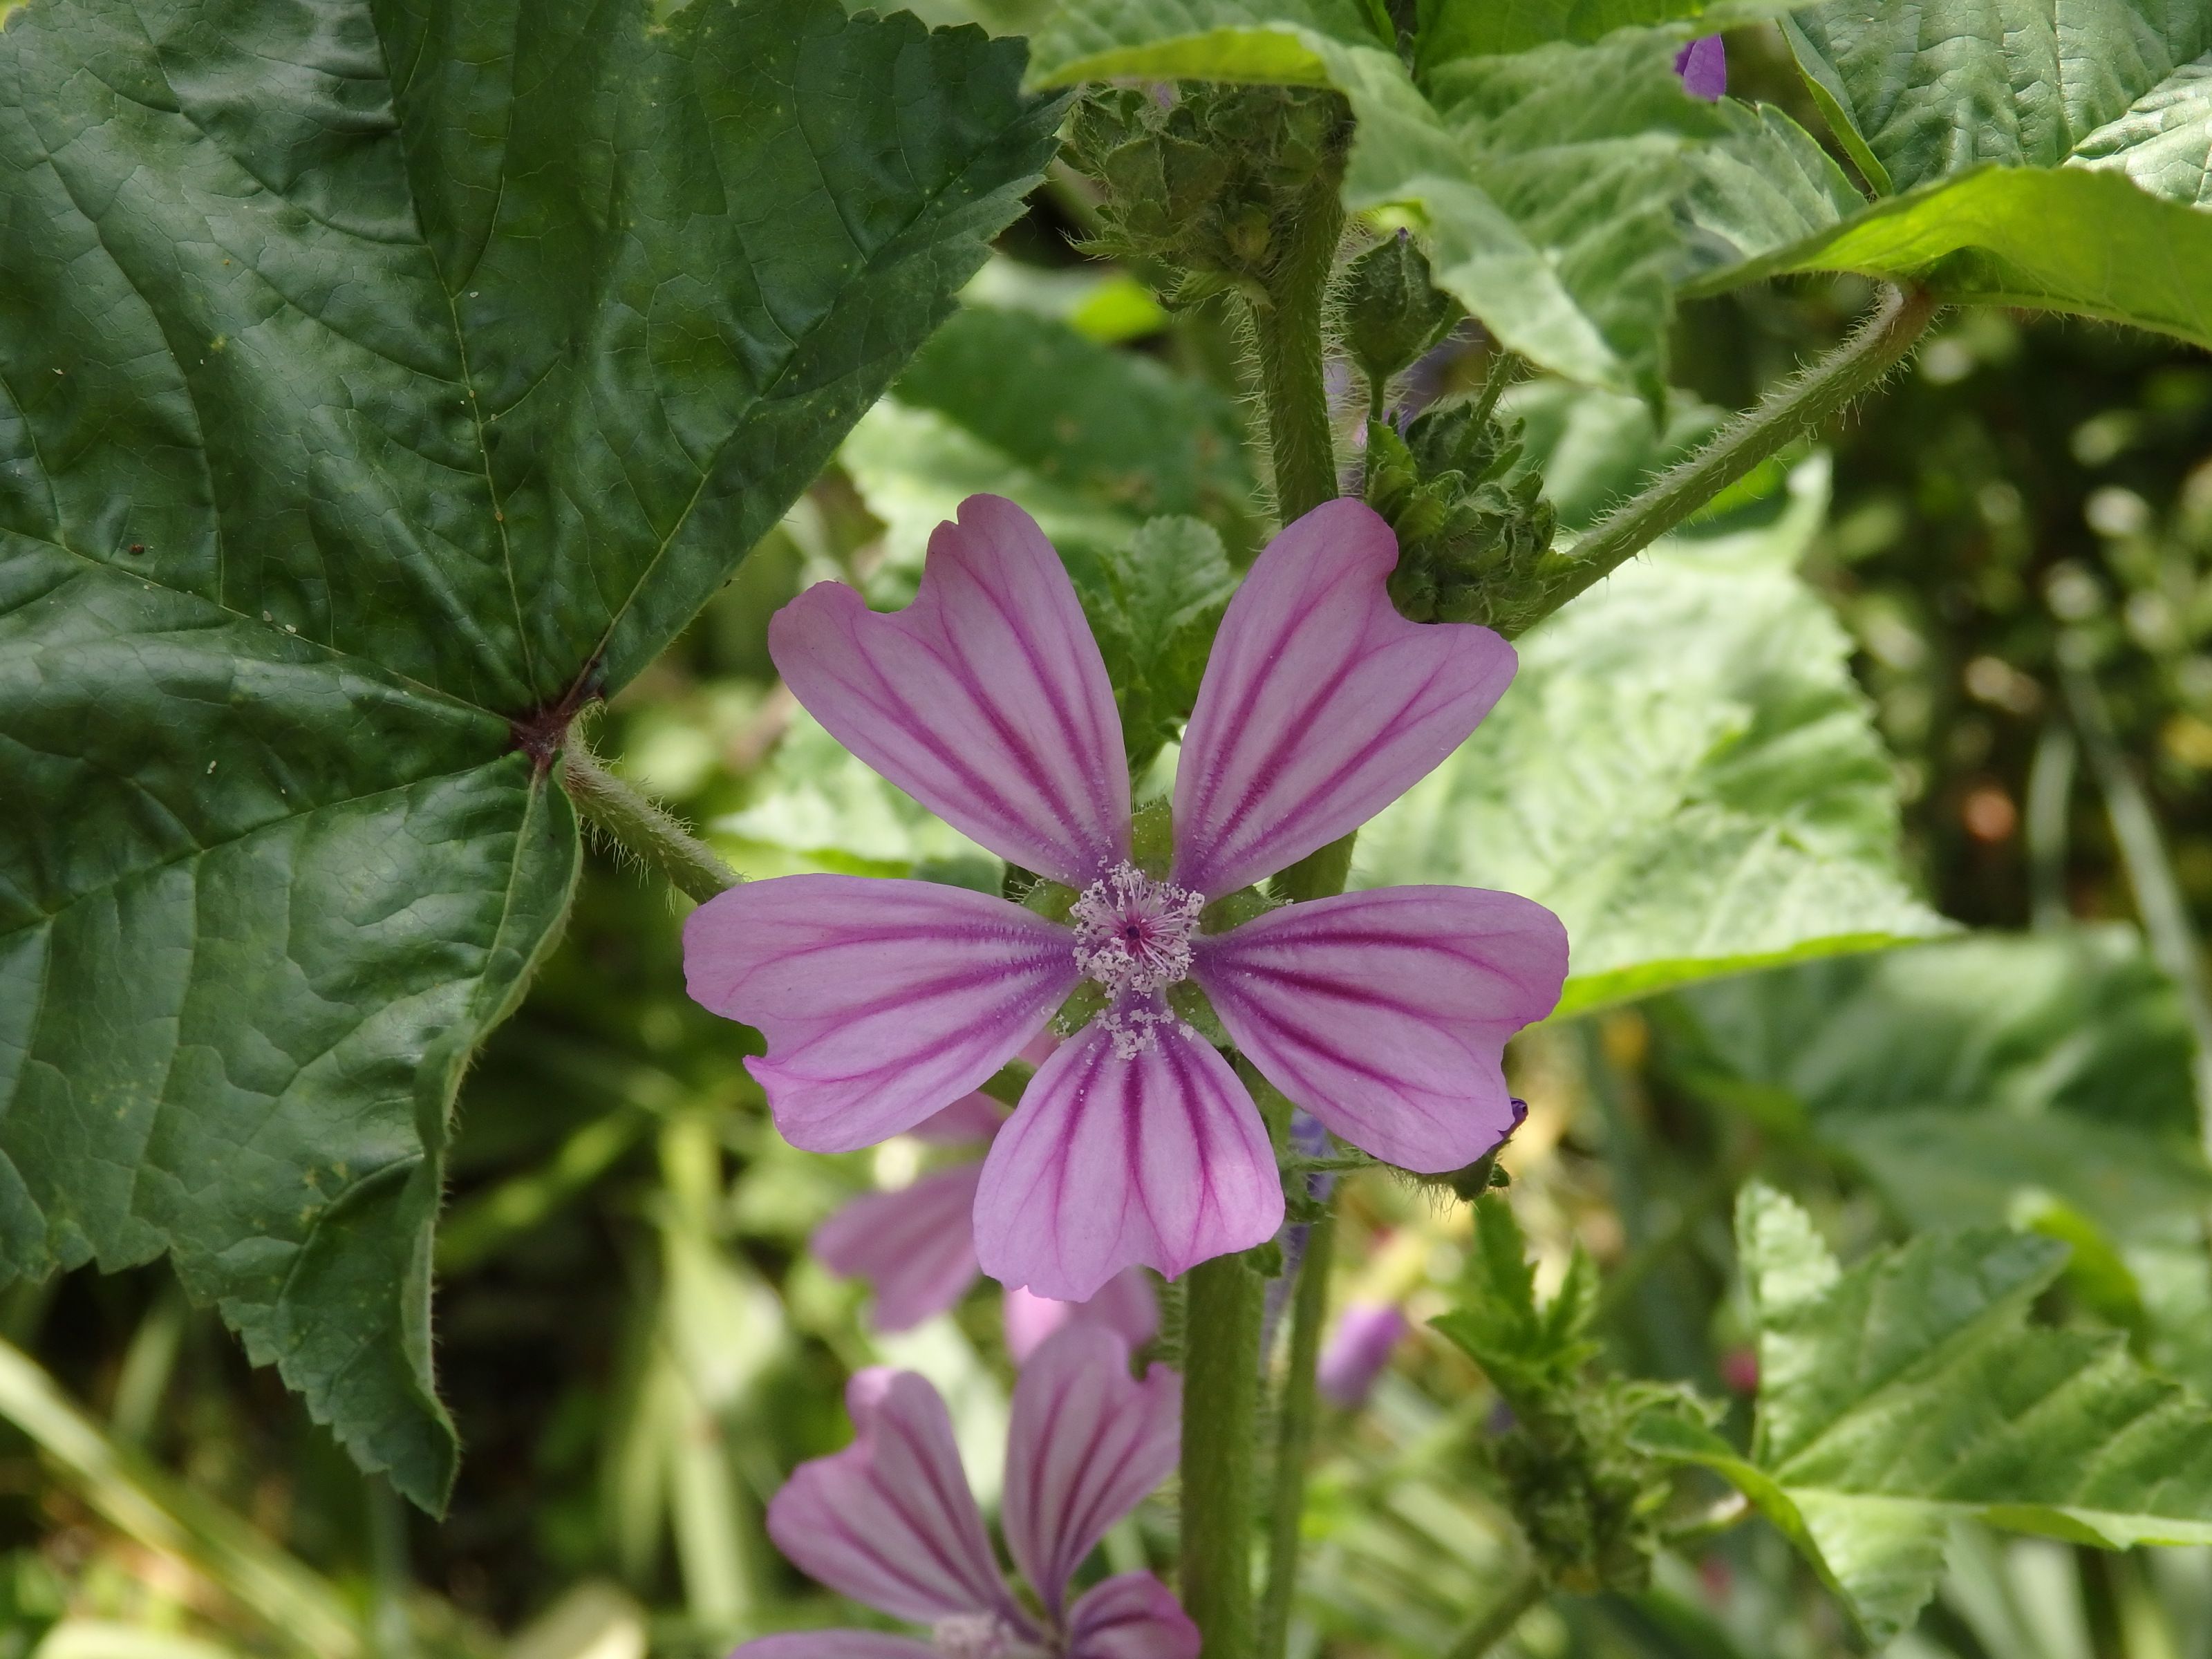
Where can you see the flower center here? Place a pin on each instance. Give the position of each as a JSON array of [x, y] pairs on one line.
[[979, 1636], [1133, 933]]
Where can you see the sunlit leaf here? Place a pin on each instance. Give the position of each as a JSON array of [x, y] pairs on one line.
[[1683, 770], [1911, 1391]]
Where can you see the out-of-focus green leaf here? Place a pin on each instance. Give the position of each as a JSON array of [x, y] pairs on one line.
[[1111, 425], [2079, 1022], [1910, 1391], [1091, 439], [816, 801], [1460, 28], [377, 384], [1683, 770], [1554, 185], [1154, 606], [1595, 448]]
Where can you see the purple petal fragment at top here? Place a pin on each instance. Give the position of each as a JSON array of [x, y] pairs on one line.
[[889, 1521], [1085, 1441], [1159, 1158], [882, 1001], [1703, 65], [915, 1246], [835, 1644], [1321, 704], [1357, 1350], [986, 699], [1125, 1305], [1133, 1616], [1385, 1014]]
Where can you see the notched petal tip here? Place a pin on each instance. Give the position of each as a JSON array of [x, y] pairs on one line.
[[888, 1520], [1086, 1443], [986, 699], [1321, 704]]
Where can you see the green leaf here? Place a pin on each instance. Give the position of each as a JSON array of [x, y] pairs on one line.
[[1595, 448], [2040, 1081], [825, 809], [1466, 28], [1934, 90], [1091, 439], [1553, 185], [2051, 165], [1725, 803], [2079, 1022], [1911, 1391], [2075, 239], [1154, 606], [377, 386]]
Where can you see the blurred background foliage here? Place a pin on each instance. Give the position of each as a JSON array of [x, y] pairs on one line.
[[2012, 552]]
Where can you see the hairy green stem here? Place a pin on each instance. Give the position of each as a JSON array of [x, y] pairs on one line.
[[1797, 407], [1220, 1425], [1286, 329], [643, 829], [1496, 1622], [1294, 1428]]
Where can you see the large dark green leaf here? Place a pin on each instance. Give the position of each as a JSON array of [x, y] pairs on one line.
[[378, 382], [1911, 1391]]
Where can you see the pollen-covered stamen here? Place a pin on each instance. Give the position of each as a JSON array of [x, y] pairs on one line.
[[1133, 933]]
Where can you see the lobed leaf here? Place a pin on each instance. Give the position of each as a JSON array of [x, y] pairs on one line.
[[1910, 1391], [378, 384]]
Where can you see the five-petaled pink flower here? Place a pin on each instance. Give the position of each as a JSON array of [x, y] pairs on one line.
[[1385, 1014], [889, 1521]]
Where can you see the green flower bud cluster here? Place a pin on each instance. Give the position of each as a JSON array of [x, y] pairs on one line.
[[1205, 179], [1472, 524], [1392, 313], [1590, 1503]]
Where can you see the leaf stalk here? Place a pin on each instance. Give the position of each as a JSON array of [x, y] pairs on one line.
[[642, 828], [1799, 406]]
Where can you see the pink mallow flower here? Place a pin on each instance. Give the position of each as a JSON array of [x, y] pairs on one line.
[[1385, 1014], [889, 1521], [916, 1246]]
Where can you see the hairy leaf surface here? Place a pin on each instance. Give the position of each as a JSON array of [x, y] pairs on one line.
[[1911, 1391], [1683, 770], [378, 382]]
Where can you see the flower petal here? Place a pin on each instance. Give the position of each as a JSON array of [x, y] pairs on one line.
[[971, 1117], [1133, 1616], [882, 1001], [1385, 1014], [1703, 65], [1124, 1306], [834, 1644], [915, 1246], [1086, 1442], [1160, 1159], [1321, 704], [986, 699], [1357, 1350], [889, 1521]]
